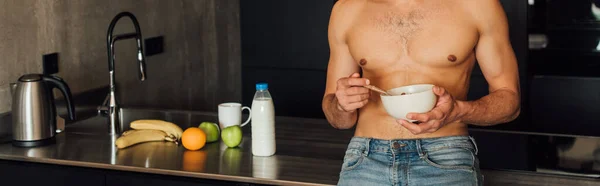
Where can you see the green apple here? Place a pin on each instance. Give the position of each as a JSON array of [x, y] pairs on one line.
[[232, 135], [212, 131]]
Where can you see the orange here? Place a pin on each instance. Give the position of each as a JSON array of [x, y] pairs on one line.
[[193, 138]]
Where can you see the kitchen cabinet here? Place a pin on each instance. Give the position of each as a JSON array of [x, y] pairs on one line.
[[34, 174], [30, 174], [295, 92], [285, 34], [564, 64], [566, 105], [118, 178], [284, 43]]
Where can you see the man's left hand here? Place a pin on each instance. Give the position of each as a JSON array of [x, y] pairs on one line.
[[443, 113]]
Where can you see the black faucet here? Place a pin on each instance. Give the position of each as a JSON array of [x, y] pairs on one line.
[[110, 105]]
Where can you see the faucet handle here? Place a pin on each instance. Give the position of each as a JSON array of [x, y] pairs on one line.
[[142, 66], [103, 109], [140, 57]]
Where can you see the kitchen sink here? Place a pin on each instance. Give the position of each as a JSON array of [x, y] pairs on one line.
[[99, 125]]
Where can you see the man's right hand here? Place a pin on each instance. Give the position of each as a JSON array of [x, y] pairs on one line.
[[351, 94]]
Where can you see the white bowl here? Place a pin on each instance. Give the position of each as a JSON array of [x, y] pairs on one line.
[[419, 98]]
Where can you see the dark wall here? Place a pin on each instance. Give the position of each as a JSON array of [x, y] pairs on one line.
[[199, 68], [285, 44], [201, 65]]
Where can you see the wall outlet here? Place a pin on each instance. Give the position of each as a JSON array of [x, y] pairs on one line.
[[154, 45], [50, 63]]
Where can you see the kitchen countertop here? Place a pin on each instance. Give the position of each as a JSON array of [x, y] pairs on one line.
[[309, 152], [214, 161], [296, 162]]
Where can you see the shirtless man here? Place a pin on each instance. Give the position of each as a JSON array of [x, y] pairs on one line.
[[403, 42]]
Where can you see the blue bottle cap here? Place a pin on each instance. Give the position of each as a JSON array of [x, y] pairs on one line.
[[262, 86]]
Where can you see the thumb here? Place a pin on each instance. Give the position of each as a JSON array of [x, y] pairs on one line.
[[355, 75], [439, 90]]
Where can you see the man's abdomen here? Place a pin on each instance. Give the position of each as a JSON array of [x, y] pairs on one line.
[[375, 122], [373, 119]]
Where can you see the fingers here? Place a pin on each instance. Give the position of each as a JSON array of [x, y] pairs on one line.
[[357, 105], [352, 106], [357, 98], [356, 82], [416, 129], [440, 91], [352, 102], [356, 91], [430, 121], [351, 94], [443, 95], [419, 117], [435, 114], [353, 80]]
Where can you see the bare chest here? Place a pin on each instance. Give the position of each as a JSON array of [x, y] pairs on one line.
[[437, 35]]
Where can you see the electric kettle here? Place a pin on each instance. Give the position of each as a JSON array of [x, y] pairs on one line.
[[33, 109]]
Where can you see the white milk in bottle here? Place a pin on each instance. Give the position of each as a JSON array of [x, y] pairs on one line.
[[263, 122]]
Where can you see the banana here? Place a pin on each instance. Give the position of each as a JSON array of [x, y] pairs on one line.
[[140, 136], [170, 128], [127, 132]]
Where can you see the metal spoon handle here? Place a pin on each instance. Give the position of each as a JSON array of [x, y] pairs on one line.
[[374, 88]]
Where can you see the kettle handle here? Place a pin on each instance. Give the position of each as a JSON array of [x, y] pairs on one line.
[[64, 88]]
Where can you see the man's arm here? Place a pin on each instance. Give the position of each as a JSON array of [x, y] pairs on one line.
[[499, 66], [341, 66]]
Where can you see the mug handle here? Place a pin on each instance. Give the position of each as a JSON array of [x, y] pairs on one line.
[[249, 116]]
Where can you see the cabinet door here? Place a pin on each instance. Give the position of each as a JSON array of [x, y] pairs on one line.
[[296, 93], [285, 34], [118, 178], [34, 174], [284, 43]]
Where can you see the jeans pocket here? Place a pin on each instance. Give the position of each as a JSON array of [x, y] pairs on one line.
[[352, 159], [451, 158]]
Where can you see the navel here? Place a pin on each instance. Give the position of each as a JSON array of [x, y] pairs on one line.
[[452, 58], [363, 62]]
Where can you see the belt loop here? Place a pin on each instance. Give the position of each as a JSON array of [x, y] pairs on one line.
[[367, 148], [474, 144], [419, 149]]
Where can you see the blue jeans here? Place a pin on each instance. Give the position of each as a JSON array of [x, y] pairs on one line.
[[432, 161]]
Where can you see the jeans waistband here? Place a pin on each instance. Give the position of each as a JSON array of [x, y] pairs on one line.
[[369, 145]]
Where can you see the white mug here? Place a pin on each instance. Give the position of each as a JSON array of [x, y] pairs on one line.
[[231, 114]]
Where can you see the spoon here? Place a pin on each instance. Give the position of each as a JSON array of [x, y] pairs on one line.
[[376, 89]]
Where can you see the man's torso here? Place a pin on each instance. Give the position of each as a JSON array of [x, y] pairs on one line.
[[405, 42]]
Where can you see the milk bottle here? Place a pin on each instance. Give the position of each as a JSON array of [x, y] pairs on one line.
[[263, 122]]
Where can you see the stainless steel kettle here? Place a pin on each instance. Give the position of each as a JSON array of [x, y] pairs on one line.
[[33, 109]]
